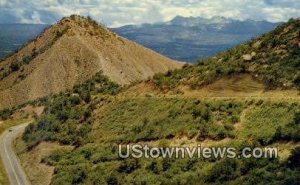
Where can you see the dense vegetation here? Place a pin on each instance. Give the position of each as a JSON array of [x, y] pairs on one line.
[[273, 58], [95, 159], [67, 119], [162, 119], [89, 168], [67, 116]]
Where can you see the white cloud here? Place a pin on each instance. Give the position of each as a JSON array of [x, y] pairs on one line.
[[121, 12]]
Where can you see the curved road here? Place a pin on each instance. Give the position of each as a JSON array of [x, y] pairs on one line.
[[11, 162]]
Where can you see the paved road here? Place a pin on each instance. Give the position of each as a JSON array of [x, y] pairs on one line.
[[11, 162]]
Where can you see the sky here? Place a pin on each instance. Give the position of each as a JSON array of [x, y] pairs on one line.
[[115, 13]]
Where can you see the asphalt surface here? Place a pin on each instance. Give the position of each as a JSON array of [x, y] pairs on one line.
[[10, 160]]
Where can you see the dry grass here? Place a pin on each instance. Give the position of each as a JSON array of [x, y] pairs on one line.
[[40, 174], [240, 87]]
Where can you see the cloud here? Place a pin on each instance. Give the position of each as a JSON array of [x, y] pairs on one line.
[[121, 12]]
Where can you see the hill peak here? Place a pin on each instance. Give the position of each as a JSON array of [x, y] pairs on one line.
[[70, 52], [84, 26]]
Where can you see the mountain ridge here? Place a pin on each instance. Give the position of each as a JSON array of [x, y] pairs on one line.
[[191, 38]]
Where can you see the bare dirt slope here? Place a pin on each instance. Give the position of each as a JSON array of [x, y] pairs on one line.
[[70, 52]]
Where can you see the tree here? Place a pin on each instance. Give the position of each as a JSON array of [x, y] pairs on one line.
[[294, 159], [224, 170], [5, 114], [15, 66]]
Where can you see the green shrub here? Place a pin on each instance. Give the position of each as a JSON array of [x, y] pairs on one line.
[[128, 166], [15, 66], [223, 170], [112, 180], [154, 167], [27, 59], [289, 132], [67, 115]]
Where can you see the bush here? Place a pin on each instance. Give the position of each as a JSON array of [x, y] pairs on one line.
[[15, 66], [154, 167], [75, 100], [224, 170], [297, 118], [27, 59], [112, 180], [78, 175], [294, 159], [128, 166], [289, 132], [5, 114], [297, 81], [260, 176]]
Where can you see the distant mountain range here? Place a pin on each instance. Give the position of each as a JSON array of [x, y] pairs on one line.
[[191, 38], [183, 38]]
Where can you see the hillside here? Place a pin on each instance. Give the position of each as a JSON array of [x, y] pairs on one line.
[[272, 59], [97, 115], [70, 52], [191, 38], [94, 126]]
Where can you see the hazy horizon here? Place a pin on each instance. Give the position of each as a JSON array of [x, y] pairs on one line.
[[115, 13], [199, 17]]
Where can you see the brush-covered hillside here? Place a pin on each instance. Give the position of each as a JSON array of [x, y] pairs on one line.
[[272, 59], [75, 140], [70, 52]]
